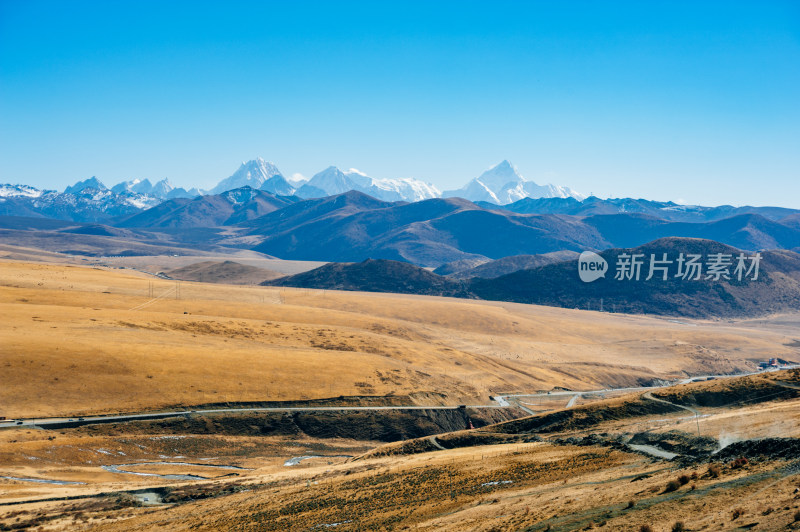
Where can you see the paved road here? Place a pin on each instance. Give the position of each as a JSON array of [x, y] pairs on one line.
[[501, 400], [572, 401], [436, 443], [649, 395], [575, 395]]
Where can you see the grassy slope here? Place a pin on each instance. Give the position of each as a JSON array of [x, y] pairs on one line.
[[72, 344]]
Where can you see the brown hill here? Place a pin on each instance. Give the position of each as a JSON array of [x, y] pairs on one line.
[[227, 272], [514, 263], [777, 288], [374, 275]]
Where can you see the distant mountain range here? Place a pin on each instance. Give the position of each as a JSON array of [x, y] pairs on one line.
[[94, 201], [138, 187], [498, 188], [228, 208], [353, 226], [378, 245], [81, 204], [499, 185], [666, 210]]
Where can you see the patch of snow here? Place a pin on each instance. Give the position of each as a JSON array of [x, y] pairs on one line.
[[497, 482], [25, 191]]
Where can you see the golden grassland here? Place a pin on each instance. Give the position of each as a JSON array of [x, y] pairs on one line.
[[79, 340], [510, 487], [491, 486]]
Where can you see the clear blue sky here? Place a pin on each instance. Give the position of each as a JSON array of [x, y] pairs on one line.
[[697, 101]]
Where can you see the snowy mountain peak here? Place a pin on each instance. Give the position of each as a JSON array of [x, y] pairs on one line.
[[24, 191], [92, 182], [503, 184], [500, 175], [500, 184], [333, 181], [251, 173], [278, 185], [161, 188]]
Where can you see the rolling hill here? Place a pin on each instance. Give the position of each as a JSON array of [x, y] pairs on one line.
[[228, 208], [744, 231], [374, 276], [506, 265], [228, 272], [352, 227], [776, 288]]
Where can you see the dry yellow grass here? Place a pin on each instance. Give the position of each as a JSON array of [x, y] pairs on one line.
[[73, 344], [507, 487]]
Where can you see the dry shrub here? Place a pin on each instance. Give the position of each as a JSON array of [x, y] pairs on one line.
[[737, 513], [714, 470], [679, 527], [672, 485], [797, 516], [646, 528], [631, 503], [683, 479], [739, 462]]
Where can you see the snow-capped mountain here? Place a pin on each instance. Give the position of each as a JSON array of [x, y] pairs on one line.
[[333, 181], [91, 200], [253, 174], [181, 192], [503, 184], [161, 189], [328, 182], [92, 182], [278, 185], [297, 180], [136, 186], [401, 189], [20, 191], [88, 203]]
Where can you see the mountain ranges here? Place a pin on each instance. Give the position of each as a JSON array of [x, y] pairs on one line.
[[432, 233], [482, 251]]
